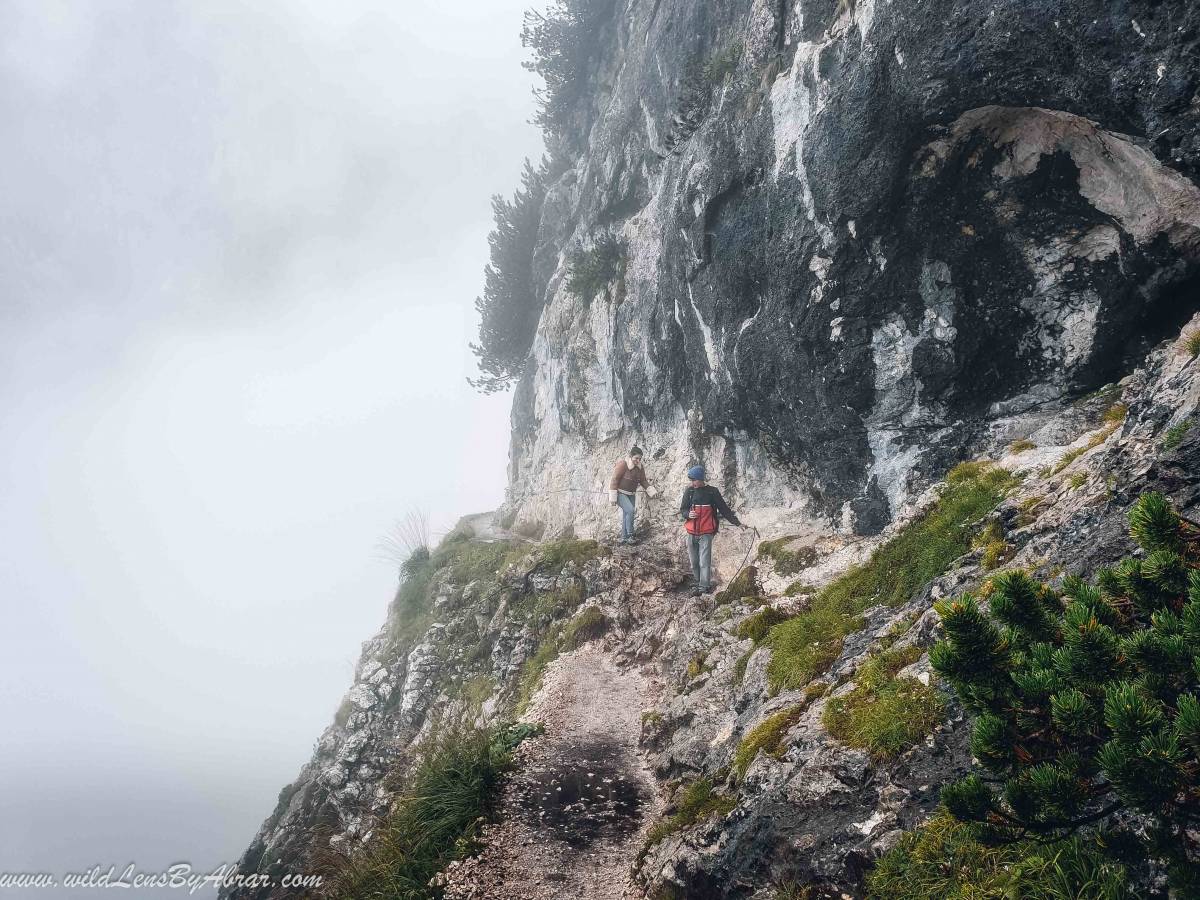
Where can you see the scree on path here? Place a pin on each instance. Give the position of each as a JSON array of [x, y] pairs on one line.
[[575, 811]]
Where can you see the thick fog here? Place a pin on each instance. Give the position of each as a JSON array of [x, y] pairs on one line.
[[239, 246]]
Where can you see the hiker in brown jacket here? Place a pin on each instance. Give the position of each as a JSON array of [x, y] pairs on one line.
[[622, 490]]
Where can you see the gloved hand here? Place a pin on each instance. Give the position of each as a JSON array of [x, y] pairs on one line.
[[651, 492], [612, 497]]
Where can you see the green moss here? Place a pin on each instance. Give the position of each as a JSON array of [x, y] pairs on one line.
[[554, 556], [804, 646], [698, 801], [743, 586], [815, 690], [884, 714], [588, 625], [757, 626], [1176, 433], [995, 549], [652, 717], [697, 665], [739, 667], [943, 859], [799, 589], [766, 736], [534, 667], [787, 562], [545, 606], [1021, 446]]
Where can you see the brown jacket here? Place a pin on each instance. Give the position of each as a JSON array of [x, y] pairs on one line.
[[626, 478]]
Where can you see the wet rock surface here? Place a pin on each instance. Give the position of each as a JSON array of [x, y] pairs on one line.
[[583, 796], [580, 795], [880, 231]]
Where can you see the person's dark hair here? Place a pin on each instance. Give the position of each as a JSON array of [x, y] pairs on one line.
[[636, 451]]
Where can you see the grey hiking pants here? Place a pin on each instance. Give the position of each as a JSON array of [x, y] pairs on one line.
[[700, 553]]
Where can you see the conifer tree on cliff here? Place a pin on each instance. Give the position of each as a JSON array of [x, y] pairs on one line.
[[1087, 698]]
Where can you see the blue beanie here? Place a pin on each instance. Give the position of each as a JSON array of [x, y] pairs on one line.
[[696, 473]]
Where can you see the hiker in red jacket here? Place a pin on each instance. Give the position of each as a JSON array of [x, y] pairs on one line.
[[702, 509], [622, 490]]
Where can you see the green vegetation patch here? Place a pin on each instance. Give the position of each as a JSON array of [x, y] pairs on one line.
[[592, 270], [697, 802], [697, 665], [588, 625], [995, 549], [554, 556], [884, 714], [787, 562], [766, 736], [799, 589], [805, 646], [1086, 698], [1021, 446], [943, 859], [1191, 344], [452, 790], [739, 667], [1113, 417], [534, 667], [743, 586], [757, 626], [1176, 433]]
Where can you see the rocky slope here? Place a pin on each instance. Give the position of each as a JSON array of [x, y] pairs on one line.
[[858, 236], [860, 241], [671, 691]]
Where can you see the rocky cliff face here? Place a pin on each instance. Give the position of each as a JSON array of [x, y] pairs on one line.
[[859, 242], [675, 691], [860, 238]]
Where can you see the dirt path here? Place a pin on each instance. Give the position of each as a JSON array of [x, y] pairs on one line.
[[574, 813]]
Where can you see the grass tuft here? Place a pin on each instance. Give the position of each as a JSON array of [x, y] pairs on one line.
[[942, 858], [1021, 446], [534, 667], [884, 714], [743, 586], [452, 790], [554, 556], [787, 562], [1176, 433], [588, 625], [766, 736], [697, 802], [1191, 344], [806, 645], [757, 626], [739, 667]]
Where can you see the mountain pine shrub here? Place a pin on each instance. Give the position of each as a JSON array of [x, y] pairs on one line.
[[1086, 699], [565, 41], [511, 302]]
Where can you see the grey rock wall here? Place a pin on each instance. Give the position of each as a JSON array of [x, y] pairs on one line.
[[886, 226]]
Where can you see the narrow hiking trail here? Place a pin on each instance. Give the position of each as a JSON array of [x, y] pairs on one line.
[[575, 811]]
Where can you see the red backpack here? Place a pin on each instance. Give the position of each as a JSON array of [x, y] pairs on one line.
[[705, 521]]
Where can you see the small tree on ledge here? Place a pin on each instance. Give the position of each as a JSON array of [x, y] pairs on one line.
[[1086, 699]]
